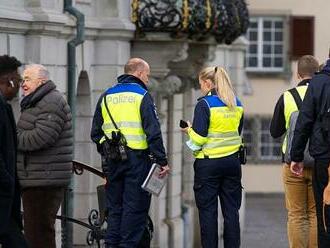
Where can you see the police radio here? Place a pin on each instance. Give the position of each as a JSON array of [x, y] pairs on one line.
[[114, 149]]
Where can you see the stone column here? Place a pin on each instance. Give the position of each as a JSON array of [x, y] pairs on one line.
[[103, 56], [190, 214], [198, 55], [232, 59], [166, 211]]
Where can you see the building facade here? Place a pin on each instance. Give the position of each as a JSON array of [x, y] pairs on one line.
[[38, 31], [280, 32]]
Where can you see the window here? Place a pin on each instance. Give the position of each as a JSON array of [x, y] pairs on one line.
[[270, 148], [266, 47], [248, 137], [302, 36], [261, 147]]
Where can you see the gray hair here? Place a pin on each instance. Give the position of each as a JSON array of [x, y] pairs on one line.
[[42, 71]]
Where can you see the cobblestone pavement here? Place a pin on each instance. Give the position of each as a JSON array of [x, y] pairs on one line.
[[265, 222]]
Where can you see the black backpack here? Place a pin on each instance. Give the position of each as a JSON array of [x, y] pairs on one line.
[[308, 160]]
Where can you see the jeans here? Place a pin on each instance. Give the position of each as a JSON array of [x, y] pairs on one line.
[[40, 206], [299, 198], [320, 181], [218, 178]]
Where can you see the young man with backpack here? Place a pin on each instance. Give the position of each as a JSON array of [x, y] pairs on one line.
[[299, 197], [314, 124]]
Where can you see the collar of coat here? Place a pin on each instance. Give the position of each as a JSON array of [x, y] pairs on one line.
[[127, 78], [212, 92], [32, 99], [304, 82]]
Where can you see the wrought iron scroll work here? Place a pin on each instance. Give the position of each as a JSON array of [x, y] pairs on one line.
[[155, 15], [225, 20]]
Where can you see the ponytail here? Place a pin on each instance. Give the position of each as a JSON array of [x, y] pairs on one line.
[[224, 87], [220, 79]]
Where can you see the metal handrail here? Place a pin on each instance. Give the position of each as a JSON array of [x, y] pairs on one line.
[[96, 218], [79, 167]]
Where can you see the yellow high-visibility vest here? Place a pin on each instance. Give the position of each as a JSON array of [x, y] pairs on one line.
[[223, 138], [124, 101], [290, 106]]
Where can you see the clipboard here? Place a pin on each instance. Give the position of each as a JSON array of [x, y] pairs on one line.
[[153, 184]]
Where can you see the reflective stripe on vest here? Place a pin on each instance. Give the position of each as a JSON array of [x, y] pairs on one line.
[[290, 106], [223, 138], [124, 101]]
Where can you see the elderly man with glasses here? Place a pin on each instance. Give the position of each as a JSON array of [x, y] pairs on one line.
[[45, 144]]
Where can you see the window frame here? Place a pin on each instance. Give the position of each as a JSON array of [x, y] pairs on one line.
[[260, 43], [255, 144]]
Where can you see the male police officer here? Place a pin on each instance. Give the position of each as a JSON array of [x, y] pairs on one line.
[[133, 111]]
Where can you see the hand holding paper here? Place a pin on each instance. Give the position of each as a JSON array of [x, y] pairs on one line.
[[156, 179]]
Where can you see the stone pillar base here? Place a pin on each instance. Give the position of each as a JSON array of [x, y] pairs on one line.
[[176, 226]]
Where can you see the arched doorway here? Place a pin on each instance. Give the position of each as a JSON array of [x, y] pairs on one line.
[[83, 184]]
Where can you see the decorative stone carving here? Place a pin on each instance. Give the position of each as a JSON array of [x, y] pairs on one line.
[[169, 85], [199, 54], [166, 50]]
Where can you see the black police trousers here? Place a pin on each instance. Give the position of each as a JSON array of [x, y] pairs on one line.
[[128, 204], [320, 181], [218, 178]]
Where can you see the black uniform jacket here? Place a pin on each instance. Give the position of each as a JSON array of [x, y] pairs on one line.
[[9, 187]]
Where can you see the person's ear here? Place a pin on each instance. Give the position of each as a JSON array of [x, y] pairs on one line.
[[298, 76], [208, 83]]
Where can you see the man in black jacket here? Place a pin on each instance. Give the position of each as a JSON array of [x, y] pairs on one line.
[[10, 203], [133, 111], [309, 127], [298, 190]]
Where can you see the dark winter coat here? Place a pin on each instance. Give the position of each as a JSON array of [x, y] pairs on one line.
[[45, 139], [9, 188], [308, 122]]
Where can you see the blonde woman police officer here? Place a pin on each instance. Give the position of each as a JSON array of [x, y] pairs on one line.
[[215, 139]]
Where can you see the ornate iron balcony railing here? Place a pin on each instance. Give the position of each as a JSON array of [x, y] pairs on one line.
[[225, 20]]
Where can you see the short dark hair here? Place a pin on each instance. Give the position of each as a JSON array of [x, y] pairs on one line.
[[133, 65], [307, 66], [8, 64]]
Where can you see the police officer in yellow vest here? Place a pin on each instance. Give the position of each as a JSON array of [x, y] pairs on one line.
[[134, 113], [215, 140], [301, 226]]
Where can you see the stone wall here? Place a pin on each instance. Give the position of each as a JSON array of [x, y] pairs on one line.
[[37, 31]]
